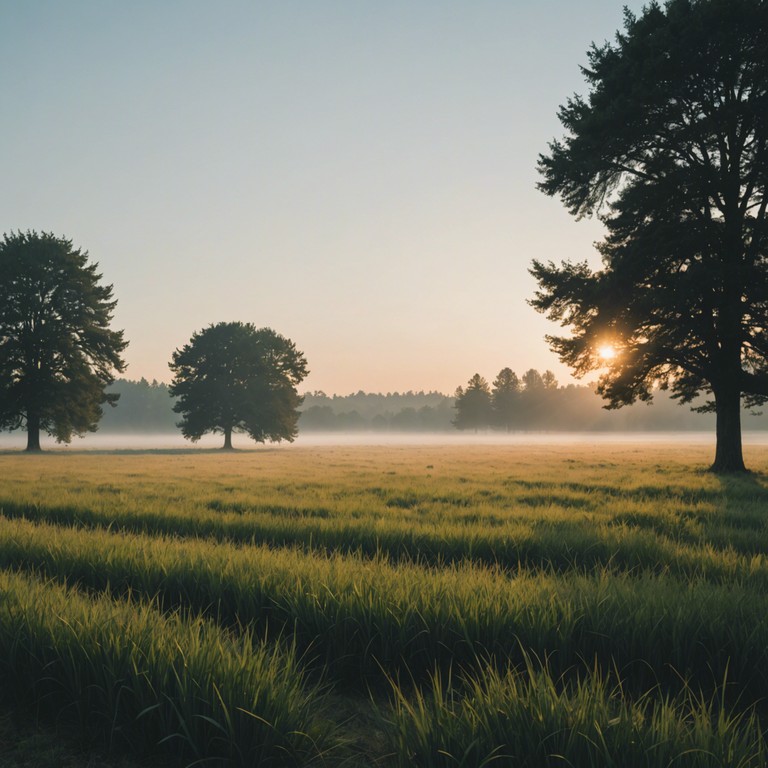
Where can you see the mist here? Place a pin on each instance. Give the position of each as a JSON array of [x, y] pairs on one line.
[[144, 420], [152, 441]]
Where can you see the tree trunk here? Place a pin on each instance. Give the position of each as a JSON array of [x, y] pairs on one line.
[[228, 438], [728, 455], [33, 432]]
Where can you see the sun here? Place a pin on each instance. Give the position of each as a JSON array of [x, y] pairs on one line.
[[607, 352]]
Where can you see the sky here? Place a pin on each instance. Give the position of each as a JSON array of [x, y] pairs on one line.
[[359, 176]]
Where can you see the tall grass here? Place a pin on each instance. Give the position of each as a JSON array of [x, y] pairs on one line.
[[556, 512], [138, 681], [550, 538], [531, 720], [639, 582], [359, 616]]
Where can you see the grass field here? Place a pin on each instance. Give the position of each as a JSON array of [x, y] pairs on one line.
[[398, 606]]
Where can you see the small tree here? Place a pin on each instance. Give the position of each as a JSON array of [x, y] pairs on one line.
[[532, 380], [548, 380], [473, 405], [505, 398], [233, 377], [57, 352]]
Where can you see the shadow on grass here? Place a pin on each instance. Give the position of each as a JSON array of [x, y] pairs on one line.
[[752, 484], [62, 451], [744, 496]]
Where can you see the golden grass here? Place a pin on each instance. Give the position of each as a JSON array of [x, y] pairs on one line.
[[621, 565]]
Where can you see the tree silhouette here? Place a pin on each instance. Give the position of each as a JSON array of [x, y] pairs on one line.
[[57, 353], [233, 377], [538, 403], [473, 405], [670, 150], [548, 380], [505, 398], [532, 380]]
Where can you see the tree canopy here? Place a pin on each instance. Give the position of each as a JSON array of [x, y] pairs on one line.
[[474, 405], [670, 150], [57, 352], [505, 397], [233, 377]]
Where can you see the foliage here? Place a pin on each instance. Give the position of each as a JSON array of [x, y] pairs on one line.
[[532, 380], [541, 406], [372, 411], [505, 398], [670, 150], [146, 407], [57, 353], [474, 405], [233, 377]]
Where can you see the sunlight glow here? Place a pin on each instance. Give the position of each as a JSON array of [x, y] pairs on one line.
[[607, 352]]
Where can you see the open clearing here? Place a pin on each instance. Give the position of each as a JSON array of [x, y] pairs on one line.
[[415, 605]]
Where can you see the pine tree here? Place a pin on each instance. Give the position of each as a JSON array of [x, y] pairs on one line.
[[505, 399], [473, 405]]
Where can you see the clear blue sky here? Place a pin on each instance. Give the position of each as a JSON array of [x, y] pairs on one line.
[[359, 176]]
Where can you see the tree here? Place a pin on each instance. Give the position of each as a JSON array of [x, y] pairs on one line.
[[532, 380], [538, 400], [57, 353], [548, 380], [144, 407], [670, 150], [505, 398], [233, 377], [473, 405]]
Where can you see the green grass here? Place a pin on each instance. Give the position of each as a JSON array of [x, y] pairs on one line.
[[358, 616], [120, 672], [478, 599], [528, 718]]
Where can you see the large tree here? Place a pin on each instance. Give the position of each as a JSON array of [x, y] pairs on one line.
[[670, 150], [233, 377], [57, 352]]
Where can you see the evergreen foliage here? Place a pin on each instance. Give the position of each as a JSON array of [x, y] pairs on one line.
[[375, 411], [533, 402], [505, 398], [145, 407], [57, 352], [474, 405]]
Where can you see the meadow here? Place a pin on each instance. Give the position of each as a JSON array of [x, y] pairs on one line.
[[388, 606]]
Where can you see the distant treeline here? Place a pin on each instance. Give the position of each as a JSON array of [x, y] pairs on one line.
[[143, 407], [555, 409], [536, 402], [147, 407], [391, 412]]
